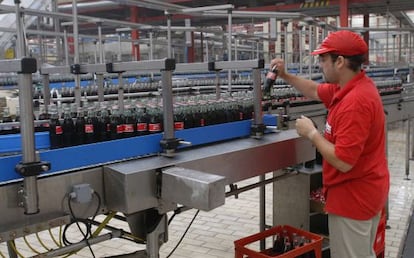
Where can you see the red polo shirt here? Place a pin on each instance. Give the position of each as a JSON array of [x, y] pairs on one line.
[[356, 126]]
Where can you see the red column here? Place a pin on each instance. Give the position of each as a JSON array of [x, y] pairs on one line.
[[343, 13], [135, 34], [366, 35]]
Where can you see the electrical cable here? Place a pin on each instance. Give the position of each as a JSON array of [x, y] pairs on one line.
[[185, 232], [53, 238], [13, 246], [86, 222], [30, 246], [41, 242]]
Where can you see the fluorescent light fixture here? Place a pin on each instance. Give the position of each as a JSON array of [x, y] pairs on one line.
[[255, 14], [207, 8]]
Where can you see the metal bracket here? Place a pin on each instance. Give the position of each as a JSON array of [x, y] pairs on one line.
[[32, 168], [257, 130]]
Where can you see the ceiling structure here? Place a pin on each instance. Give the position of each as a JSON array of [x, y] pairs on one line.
[[152, 12]]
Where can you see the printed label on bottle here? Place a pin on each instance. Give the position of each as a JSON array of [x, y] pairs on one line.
[[179, 125], [241, 117], [202, 122], [108, 127], [45, 125], [154, 127], [59, 129], [128, 128], [119, 129], [88, 128], [142, 127]]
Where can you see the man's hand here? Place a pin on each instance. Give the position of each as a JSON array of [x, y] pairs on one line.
[[280, 65], [306, 128]]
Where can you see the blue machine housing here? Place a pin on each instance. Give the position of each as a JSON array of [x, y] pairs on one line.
[[89, 155]]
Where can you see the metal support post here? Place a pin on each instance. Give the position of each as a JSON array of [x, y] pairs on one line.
[[262, 212], [229, 50], [157, 237], [169, 47], [300, 49], [218, 88], [30, 194], [407, 149], [65, 38], [76, 50], [169, 143], [258, 127], [120, 93], [46, 91]]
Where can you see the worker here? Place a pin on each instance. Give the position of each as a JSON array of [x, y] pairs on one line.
[[355, 172]]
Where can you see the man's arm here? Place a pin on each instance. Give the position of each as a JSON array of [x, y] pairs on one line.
[[307, 87]]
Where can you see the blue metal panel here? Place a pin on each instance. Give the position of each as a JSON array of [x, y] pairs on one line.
[[88, 155]]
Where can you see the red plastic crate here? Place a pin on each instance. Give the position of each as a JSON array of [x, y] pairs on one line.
[[241, 251], [379, 244]]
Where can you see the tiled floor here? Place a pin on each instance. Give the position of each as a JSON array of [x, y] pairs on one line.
[[212, 233]]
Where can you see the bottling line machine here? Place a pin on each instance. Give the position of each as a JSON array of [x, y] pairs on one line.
[[145, 177]]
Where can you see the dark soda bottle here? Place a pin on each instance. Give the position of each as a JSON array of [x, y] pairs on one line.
[[129, 123], [44, 117], [103, 127], [178, 118], [90, 125], [68, 129], [155, 121], [80, 127], [142, 122], [269, 81], [278, 245], [55, 130], [117, 125]]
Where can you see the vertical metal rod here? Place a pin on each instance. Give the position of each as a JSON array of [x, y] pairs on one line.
[[262, 212], [169, 36], [120, 93], [65, 38], [30, 195], [40, 41], [10, 249], [300, 50], [218, 89], [311, 48], [168, 109], [119, 48], [407, 149], [56, 24], [100, 48], [46, 91], [286, 43], [257, 97], [151, 51], [76, 50], [387, 39], [229, 50], [207, 54]]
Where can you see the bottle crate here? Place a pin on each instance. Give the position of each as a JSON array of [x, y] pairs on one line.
[[312, 248]]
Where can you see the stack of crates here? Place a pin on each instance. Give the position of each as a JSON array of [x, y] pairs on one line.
[[312, 247]]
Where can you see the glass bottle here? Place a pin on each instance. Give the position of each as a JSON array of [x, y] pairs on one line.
[[68, 129], [269, 81], [90, 126], [142, 119], [129, 123], [55, 130], [80, 127]]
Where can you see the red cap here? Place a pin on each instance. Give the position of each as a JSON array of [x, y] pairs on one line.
[[343, 42]]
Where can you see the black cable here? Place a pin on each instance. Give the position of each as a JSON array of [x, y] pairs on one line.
[[86, 222], [185, 232]]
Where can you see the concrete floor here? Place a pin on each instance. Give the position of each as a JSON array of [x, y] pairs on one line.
[[213, 233]]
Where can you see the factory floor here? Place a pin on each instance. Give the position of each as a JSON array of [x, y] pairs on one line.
[[212, 234]]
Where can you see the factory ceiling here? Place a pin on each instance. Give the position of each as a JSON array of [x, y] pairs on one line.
[[152, 12]]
